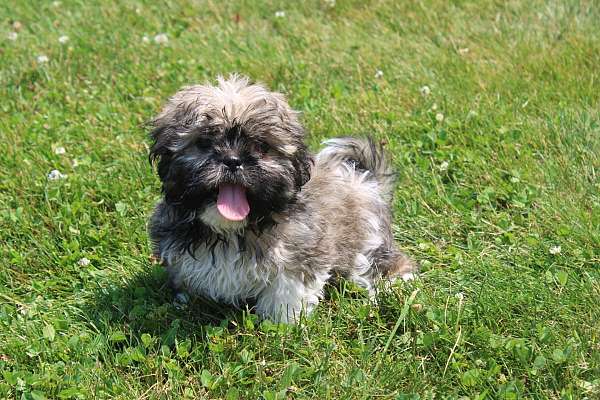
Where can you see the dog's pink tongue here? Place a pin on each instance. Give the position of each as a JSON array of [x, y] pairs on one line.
[[232, 202]]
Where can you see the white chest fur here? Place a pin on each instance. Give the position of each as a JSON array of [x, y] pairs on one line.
[[221, 271]]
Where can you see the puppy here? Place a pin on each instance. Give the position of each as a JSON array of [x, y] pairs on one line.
[[248, 213]]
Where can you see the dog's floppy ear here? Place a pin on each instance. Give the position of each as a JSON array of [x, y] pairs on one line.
[[294, 139], [167, 128], [302, 162], [162, 154], [162, 137]]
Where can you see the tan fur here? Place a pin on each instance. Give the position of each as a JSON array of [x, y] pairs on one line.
[[337, 223]]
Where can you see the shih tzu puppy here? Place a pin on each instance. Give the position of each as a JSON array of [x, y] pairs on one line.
[[249, 213]]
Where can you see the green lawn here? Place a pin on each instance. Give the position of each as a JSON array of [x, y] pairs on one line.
[[499, 198]]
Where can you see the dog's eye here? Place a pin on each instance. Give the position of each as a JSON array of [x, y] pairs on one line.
[[259, 147]]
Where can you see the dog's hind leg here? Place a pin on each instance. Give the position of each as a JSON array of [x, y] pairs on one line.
[[387, 265], [397, 265]]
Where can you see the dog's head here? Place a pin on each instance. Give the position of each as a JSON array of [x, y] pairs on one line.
[[232, 153]]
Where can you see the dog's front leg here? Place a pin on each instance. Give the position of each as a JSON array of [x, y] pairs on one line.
[[289, 295]]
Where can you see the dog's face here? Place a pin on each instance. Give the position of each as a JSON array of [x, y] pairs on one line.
[[233, 153]]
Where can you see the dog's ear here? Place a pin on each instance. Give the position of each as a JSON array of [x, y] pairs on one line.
[[162, 137], [294, 139], [162, 155], [303, 163], [168, 127]]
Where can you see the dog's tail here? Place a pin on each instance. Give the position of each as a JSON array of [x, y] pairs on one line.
[[363, 154]]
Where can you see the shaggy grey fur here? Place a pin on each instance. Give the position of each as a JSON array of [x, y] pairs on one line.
[[310, 219]]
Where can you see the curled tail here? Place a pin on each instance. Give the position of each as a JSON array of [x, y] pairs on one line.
[[363, 154]]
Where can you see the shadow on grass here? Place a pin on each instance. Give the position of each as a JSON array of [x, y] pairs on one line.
[[144, 304]]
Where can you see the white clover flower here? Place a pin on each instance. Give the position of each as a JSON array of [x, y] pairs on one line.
[[83, 262], [378, 74], [439, 117], [463, 51], [55, 175], [145, 39], [460, 296], [280, 14], [42, 59], [59, 150], [161, 38], [444, 166], [12, 36], [434, 106], [63, 39], [554, 250], [425, 91]]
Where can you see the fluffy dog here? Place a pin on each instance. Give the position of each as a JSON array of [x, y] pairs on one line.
[[249, 213]]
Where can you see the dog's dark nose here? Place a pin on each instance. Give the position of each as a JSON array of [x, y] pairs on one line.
[[232, 162]]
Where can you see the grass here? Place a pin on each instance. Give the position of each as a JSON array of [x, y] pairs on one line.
[[490, 190]]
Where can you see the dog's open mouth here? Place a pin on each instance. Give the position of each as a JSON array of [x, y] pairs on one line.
[[232, 202]]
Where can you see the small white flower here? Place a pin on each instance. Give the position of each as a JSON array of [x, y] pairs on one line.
[[425, 91], [12, 36], [161, 38], [554, 250], [280, 14], [56, 175], [444, 166], [145, 39], [439, 117], [434, 106], [84, 262], [138, 10], [56, 4], [42, 59], [460, 296], [59, 150], [330, 3], [463, 51], [75, 163], [63, 39], [17, 25], [378, 74]]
